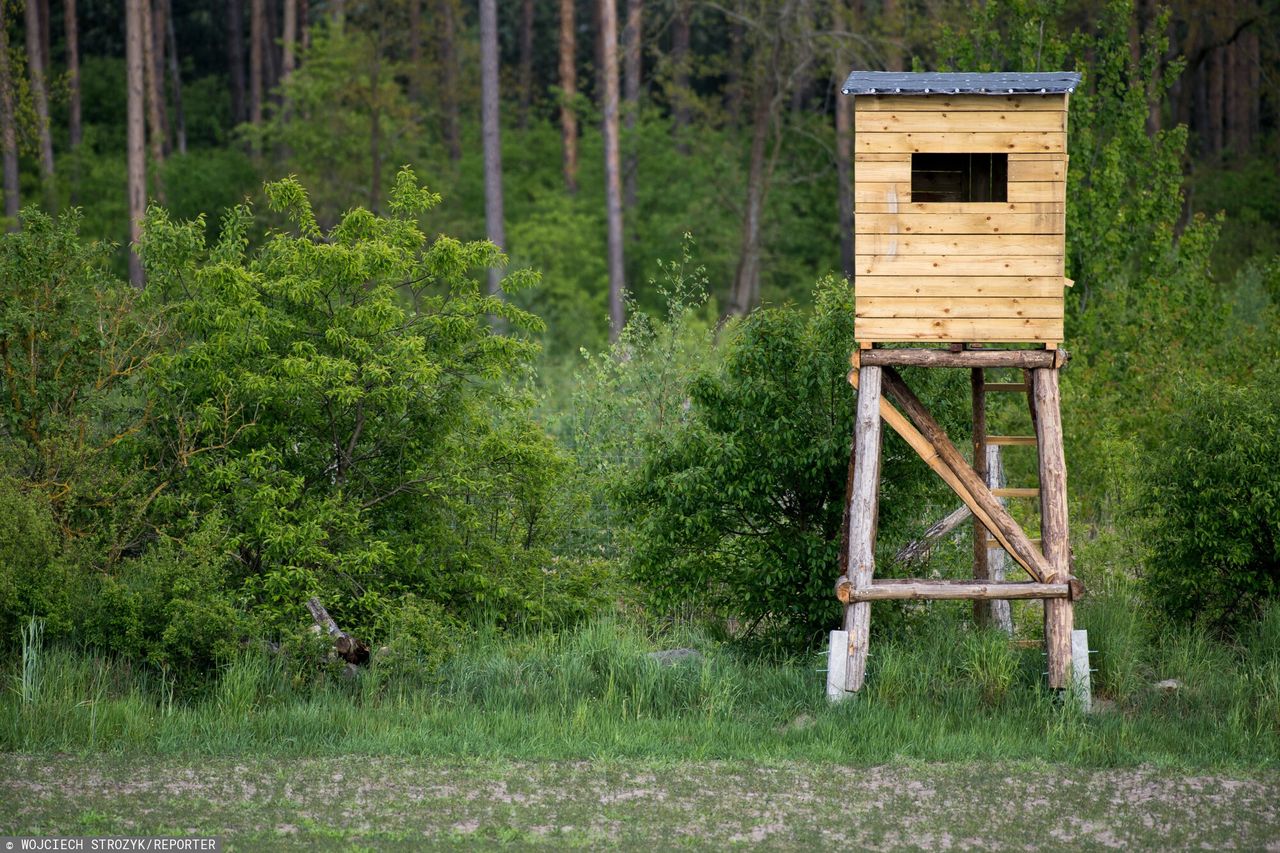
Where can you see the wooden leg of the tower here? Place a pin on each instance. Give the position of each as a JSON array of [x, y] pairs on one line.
[[863, 512], [1058, 616], [981, 568]]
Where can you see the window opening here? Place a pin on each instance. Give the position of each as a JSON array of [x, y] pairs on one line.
[[959, 177]]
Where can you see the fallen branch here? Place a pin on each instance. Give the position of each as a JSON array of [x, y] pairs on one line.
[[348, 647], [918, 551]]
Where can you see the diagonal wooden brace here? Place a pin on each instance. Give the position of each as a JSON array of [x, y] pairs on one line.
[[970, 490]]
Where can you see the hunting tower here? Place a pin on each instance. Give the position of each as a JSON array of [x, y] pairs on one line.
[[960, 209]]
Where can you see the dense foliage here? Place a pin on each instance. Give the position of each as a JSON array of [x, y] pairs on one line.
[[1215, 498], [740, 507]]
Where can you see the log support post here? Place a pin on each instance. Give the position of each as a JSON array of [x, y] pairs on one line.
[[1058, 614], [863, 514], [981, 570]]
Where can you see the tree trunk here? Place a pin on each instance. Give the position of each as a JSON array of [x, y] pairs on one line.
[[40, 98], [271, 60], [375, 132], [632, 69], [74, 128], [175, 77], [415, 50], [155, 134], [159, 38], [746, 281], [569, 90], [289, 39], [449, 80], [8, 129], [891, 20], [680, 94], [844, 172], [612, 163], [304, 24], [734, 82], [491, 132], [235, 59], [526, 63], [135, 126], [257, 38]]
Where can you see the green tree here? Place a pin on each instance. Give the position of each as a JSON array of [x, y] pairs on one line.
[[342, 400], [740, 504]]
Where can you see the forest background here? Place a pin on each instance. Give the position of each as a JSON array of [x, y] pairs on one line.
[[595, 368]]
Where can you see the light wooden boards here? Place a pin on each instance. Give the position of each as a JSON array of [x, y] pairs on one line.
[[990, 271], [959, 141]]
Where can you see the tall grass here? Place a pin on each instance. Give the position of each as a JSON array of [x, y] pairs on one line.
[[947, 694]]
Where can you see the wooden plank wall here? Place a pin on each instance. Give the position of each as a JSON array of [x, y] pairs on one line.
[[960, 272]]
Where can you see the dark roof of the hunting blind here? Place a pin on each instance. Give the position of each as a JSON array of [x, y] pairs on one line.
[[960, 83]]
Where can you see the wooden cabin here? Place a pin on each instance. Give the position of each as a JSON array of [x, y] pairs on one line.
[[959, 206]]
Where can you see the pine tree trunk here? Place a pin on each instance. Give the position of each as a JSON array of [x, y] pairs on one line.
[[612, 163], [449, 79], [159, 38], [844, 172], [892, 22], [74, 127], [569, 90], [526, 63], [289, 39], [681, 115], [235, 60], [175, 77], [632, 69], [40, 98], [8, 130], [257, 39], [135, 127], [271, 60], [415, 50], [151, 88], [491, 132], [375, 131]]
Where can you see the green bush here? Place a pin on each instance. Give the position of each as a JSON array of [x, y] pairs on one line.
[[740, 507], [171, 606], [31, 582], [1215, 497]]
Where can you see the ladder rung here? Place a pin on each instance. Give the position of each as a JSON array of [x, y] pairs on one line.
[[1011, 439], [1005, 386], [1016, 493]]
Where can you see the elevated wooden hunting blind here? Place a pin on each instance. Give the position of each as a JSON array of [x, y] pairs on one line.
[[959, 220], [960, 206]]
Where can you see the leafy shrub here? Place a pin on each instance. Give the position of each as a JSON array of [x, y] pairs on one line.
[[341, 398], [740, 508], [30, 575], [1215, 498], [419, 636], [171, 606]]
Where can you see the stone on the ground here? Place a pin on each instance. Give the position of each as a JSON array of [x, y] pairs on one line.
[[1169, 685]]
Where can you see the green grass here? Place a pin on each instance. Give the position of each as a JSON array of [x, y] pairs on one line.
[[945, 694]]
